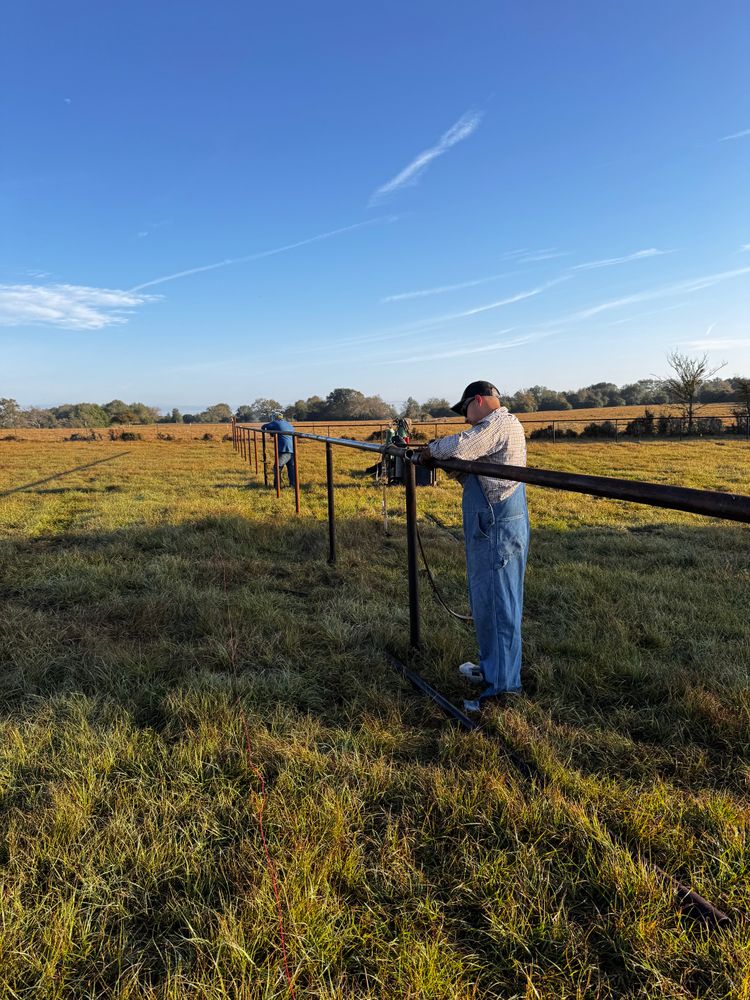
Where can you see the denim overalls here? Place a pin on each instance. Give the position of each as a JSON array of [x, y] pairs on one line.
[[497, 544]]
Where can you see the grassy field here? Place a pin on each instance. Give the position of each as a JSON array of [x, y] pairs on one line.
[[170, 632], [430, 428]]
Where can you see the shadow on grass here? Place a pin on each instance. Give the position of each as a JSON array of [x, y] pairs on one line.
[[58, 475], [635, 641], [173, 622]]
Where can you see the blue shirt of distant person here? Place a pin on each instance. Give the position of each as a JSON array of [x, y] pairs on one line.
[[286, 445], [496, 533]]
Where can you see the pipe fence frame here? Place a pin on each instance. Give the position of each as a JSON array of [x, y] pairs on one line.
[[706, 503], [557, 425]]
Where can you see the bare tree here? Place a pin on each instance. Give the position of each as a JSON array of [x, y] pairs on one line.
[[684, 385]]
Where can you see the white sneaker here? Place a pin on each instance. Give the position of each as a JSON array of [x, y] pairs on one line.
[[472, 673]]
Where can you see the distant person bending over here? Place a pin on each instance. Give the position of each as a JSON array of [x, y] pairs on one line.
[[496, 532], [286, 445]]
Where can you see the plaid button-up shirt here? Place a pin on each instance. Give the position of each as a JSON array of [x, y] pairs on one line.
[[498, 438]]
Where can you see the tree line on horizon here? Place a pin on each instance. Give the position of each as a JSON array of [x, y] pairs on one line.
[[351, 404]]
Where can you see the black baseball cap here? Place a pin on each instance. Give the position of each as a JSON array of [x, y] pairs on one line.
[[475, 389]]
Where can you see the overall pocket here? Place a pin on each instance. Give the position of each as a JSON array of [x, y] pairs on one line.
[[512, 537], [484, 521]]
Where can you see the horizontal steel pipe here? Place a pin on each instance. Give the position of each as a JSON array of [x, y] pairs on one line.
[[734, 506], [708, 503]]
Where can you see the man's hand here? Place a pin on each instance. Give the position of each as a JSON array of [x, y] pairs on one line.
[[425, 458]]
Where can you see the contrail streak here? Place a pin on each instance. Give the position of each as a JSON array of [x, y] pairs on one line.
[[262, 253]]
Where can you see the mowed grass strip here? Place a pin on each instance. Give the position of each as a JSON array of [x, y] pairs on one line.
[[156, 604]]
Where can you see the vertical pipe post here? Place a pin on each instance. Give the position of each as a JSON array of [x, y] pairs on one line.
[[265, 460], [255, 448], [554, 432], [242, 444], [616, 430], [331, 517], [411, 552], [276, 469], [296, 474], [234, 434]]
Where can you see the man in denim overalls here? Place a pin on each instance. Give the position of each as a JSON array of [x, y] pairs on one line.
[[496, 532]]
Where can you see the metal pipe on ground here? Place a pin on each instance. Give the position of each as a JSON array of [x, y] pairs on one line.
[[685, 898]]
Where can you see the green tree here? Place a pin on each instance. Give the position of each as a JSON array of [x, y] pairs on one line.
[[438, 407], [119, 412], [523, 401], [296, 411], [81, 415], [411, 409], [551, 400], [265, 409], [245, 413], [343, 404], [315, 408], [10, 413], [220, 413], [143, 414], [375, 408]]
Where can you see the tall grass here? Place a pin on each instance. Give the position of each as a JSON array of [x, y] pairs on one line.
[[156, 604]]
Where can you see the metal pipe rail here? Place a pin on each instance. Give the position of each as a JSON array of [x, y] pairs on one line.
[[731, 506], [708, 503]]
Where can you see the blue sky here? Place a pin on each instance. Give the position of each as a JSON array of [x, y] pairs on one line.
[[204, 202]]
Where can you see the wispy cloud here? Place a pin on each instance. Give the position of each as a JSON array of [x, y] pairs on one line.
[[679, 288], [459, 352], [717, 345], [263, 253], [509, 300], [462, 129], [551, 253], [446, 288], [744, 247], [524, 255], [651, 312], [735, 135], [516, 256], [709, 343], [610, 261], [433, 322], [150, 227], [68, 307]]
